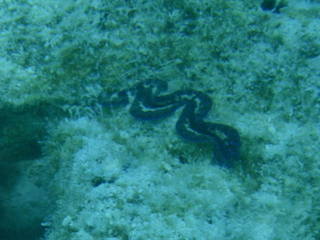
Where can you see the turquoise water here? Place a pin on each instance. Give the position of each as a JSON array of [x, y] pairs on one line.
[[72, 167]]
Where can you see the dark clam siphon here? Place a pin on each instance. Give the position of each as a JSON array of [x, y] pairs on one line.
[[149, 103]]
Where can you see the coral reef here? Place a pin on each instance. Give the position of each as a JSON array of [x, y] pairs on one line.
[[104, 175]]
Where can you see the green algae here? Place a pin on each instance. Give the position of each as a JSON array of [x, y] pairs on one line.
[[260, 69]]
